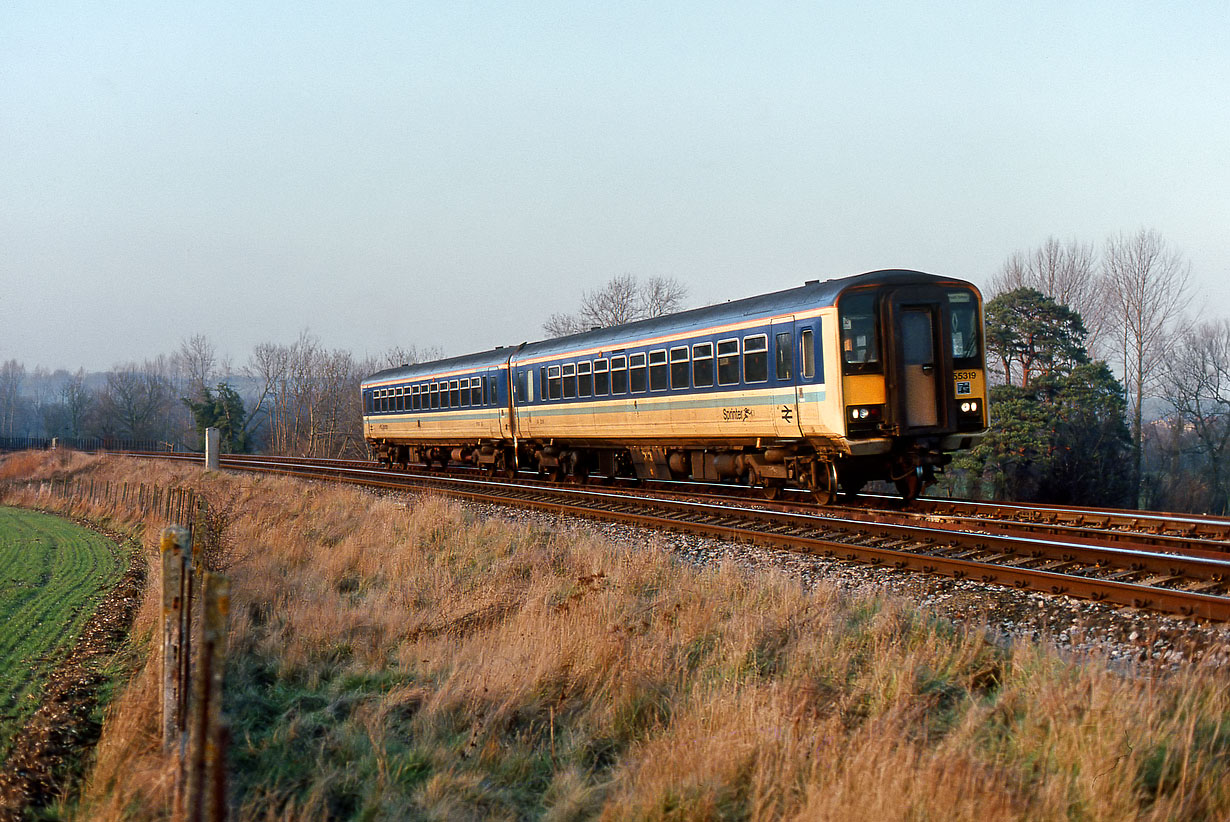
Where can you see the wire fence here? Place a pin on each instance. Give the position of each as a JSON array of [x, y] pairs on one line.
[[90, 444], [193, 629]]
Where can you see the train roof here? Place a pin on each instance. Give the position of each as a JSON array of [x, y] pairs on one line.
[[813, 294]]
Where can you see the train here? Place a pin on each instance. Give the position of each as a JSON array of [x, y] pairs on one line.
[[824, 388]]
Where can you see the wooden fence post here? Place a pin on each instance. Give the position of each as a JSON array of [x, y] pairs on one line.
[[205, 757], [173, 545]]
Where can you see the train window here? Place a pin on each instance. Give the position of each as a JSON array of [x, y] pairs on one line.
[[860, 343], [702, 365], [785, 355], [399, 400], [522, 392], [585, 380], [414, 398], [619, 375], [807, 347], [602, 378], [542, 382], [728, 362], [963, 315], [570, 381], [454, 395], [478, 391], [659, 374], [679, 367], [636, 372], [756, 358], [435, 395], [465, 392], [553, 383], [378, 400]]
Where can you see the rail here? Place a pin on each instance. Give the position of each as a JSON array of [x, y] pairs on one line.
[[1111, 568]]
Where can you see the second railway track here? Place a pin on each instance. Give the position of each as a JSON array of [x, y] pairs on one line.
[[1147, 566]]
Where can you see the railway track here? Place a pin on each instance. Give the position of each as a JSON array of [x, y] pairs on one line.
[[1149, 561]]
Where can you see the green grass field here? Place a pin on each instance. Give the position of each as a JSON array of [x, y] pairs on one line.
[[53, 574]]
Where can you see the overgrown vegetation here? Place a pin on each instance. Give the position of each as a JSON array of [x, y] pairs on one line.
[[399, 660]]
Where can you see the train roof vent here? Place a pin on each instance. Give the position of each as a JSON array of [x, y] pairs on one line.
[[812, 282]]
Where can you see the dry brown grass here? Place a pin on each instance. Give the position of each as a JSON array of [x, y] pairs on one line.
[[410, 661]]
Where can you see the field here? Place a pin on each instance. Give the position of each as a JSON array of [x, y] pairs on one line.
[[401, 658], [52, 575]]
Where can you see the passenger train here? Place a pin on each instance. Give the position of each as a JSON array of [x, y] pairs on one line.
[[825, 387]]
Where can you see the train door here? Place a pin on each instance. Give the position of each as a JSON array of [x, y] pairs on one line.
[[921, 357], [496, 376], [787, 385]]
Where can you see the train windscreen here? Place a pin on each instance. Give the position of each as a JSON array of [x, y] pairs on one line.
[[860, 337], [963, 314]]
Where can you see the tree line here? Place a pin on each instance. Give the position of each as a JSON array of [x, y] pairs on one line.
[[301, 398]]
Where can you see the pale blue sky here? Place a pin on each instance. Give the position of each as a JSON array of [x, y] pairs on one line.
[[448, 174]]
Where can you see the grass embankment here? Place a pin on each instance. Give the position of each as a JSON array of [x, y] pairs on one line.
[[53, 575], [394, 661]]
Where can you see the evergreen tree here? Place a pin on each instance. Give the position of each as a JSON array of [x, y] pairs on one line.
[[1033, 334], [222, 409], [1058, 427]]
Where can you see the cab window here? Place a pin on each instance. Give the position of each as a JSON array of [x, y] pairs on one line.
[[963, 315], [860, 336]]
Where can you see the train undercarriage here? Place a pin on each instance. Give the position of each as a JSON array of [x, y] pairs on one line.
[[824, 472]]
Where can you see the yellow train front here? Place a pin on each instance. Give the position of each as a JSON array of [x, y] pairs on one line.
[[824, 387]]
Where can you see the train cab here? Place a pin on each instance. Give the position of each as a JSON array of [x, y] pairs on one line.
[[913, 377]]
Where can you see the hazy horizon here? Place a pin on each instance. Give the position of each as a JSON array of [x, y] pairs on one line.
[[449, 176]]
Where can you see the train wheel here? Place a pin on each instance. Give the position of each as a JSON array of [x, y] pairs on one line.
[[772, 491], [824, 491], [911, 485]]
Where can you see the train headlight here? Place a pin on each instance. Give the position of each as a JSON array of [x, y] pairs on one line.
[[969, 407], [865, 419]]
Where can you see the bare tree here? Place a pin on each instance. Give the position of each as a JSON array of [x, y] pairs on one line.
[[309, 397], [661, 296], [12, 373], [1147, 293], [1067, 273], [77, 401], [197, 360], [137, 402], [1197, 386], [622, 300], [399, 355]]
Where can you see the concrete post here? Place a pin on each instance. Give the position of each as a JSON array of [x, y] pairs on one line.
[[213, 441]]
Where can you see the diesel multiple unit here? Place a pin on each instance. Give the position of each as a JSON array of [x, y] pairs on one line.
[[825, 387]]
